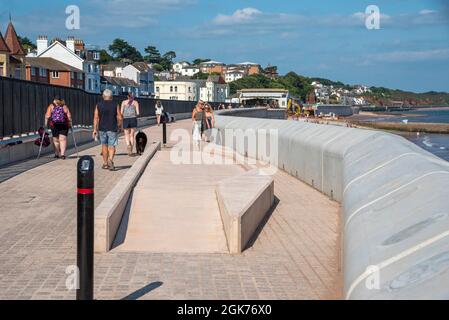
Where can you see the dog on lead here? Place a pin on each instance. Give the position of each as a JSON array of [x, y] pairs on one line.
[[141, 142]]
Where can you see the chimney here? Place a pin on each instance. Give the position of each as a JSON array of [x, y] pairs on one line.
[[79, 45], [42, 44], [70, 43]]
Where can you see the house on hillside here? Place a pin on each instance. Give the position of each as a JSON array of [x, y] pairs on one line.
[[190, 71], [212, 67], [178, 66], [141, 73], [214, 89], [12, 55], [73, 52], [51, 71], [113, 69], [183, 90], [119, 86]]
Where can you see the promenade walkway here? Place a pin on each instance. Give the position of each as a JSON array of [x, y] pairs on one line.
[[295, 255]]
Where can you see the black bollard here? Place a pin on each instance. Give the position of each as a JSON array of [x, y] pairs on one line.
[[164, 132], [85, 229]]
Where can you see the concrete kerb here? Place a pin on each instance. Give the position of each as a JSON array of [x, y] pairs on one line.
[[108, 215]]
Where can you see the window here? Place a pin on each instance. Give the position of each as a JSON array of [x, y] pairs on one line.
[[190, 89], [157, 89], [32, 69], [90, 84], [171, 88], [72, 75], [55, 74], [96, 55], [42, 72], [90, 68], [80, 76], [176, 88], [1, 68]]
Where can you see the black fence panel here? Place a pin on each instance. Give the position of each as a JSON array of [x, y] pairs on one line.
[[23, 105]]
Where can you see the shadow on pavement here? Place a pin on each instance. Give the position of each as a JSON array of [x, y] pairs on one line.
[[143, 291], [262, 224]]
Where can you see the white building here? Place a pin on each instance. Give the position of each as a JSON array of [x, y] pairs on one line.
[[273, 97], [233, 75], [214, 89], [113, 69], [178, 66], [73, 53], [190, 71], [186, 90]]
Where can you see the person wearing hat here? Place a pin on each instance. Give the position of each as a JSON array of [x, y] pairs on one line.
[[59, 119]]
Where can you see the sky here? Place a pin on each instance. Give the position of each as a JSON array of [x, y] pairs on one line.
[[314, 38]]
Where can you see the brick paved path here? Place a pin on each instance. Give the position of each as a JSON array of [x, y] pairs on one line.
[[296, 255]]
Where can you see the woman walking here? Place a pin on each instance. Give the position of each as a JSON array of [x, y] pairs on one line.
[[197, 118], [159, 109], [210, 121], [130, 110], [59, 119]]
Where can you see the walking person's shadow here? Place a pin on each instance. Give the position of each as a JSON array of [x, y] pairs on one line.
[[143, 291]]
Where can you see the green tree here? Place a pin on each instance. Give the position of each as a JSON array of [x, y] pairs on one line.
[[200, 60], [167, 60], [204, 76], [121, 49], [153, 54], [105, 57], [27, 44], [157, 67]]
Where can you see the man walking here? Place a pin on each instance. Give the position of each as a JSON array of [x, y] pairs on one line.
[[107, 124]]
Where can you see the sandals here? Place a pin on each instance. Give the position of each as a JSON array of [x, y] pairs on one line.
[[111, 165], [105, 166], [63, 157]]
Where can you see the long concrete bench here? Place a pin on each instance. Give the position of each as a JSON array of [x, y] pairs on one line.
[[244, 201]]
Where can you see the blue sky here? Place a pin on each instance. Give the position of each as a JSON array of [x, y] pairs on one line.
[[311, 37]]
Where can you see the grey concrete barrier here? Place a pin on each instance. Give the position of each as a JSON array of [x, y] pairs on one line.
[[244, 201], [27, 149], [394, 197]]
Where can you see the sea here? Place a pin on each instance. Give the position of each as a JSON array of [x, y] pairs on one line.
[[438, 144]]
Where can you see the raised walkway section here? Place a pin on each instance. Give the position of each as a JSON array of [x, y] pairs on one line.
[[294, 256]]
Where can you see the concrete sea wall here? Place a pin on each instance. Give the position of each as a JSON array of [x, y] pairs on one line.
[[394, 197]]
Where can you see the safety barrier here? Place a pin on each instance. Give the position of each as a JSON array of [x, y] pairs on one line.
[[394, 196]]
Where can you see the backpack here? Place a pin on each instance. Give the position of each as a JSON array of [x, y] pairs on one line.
[[46, 141], [58, 115]]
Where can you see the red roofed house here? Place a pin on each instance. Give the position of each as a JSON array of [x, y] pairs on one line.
[[12, 55]]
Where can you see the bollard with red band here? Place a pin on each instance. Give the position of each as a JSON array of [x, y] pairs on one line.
[[85, 228]]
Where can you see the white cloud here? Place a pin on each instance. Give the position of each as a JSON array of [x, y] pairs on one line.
[[427, 11], [240, 16], [411, 56], [131, 13], [282, 21]]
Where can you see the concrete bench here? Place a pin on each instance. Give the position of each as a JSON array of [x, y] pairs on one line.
[[244, 201]]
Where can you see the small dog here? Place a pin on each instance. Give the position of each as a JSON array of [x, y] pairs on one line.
[[141, 142]]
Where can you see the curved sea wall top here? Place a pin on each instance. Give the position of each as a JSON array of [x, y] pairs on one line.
[[394, 196]]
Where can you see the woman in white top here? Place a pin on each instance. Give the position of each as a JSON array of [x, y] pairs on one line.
[[159, 109]]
